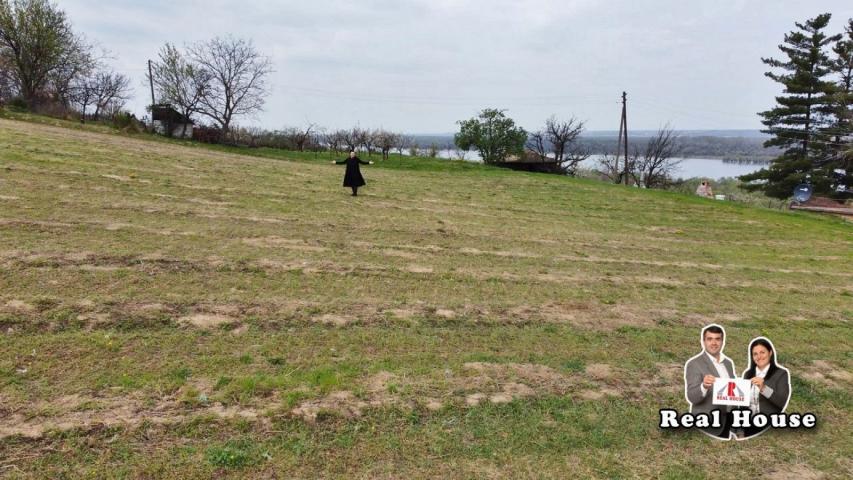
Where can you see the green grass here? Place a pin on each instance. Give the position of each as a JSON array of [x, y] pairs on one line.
[[170, 309]]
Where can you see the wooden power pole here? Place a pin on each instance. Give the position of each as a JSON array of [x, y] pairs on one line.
[[151, 82], [622, 145]]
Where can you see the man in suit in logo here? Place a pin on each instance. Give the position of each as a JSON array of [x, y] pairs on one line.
[[700, 373]]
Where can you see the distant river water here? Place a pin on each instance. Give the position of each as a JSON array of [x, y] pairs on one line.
[[712, 168]]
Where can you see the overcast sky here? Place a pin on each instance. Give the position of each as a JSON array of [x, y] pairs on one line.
[[420, 65]]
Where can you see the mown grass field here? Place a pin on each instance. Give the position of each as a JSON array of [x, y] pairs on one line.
[[178, 311]]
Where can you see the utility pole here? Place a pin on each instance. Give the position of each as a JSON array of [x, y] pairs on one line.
[[151, 82], [623, 136]]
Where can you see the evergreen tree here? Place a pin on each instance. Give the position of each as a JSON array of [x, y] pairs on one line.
[[798, 122], [841, 130]]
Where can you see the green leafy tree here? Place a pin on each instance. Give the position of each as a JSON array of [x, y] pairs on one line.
[[799, 120], [37, 42], [492, 134]]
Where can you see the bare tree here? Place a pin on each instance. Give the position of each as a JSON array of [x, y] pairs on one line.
[[432, 150], [179, 81], [82, 94], [81, 63], [367, 139], [238, 76], [562, 135], [302, 137], [402, 143], [414, 149], [334, 140], [610, 167], [537, 144], [108, 88], [352, 138], [655, 166], [459, 153], [573, 157], [385, 141]]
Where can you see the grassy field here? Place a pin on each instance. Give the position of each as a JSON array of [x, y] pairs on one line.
[[175, 311]]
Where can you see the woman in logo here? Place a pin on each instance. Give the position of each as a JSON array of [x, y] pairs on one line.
[[771, 383]]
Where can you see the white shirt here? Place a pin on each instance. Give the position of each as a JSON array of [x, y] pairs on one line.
[[766, 391], [721, 370]]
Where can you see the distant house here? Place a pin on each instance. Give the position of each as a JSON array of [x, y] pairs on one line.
[[170, 122]]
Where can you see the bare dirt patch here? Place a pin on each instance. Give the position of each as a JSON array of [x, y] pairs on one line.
[[599, 371], [418, 269], [402, 313], [342, 403], [510, 391], [794, 472], [539, 377], [19, 306], [498, 253], [333, 320], [77, 411], [120, 178], [279, 242], [206, 320], [390, 252], [827, 373]]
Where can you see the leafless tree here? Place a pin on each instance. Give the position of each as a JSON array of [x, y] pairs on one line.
[[238, 76], [333, 140], [655, 166], [537, 144], [402, 143], [573, 157], [414, 149], [352, 138], [367, 139], [562, 135], [82, 94], [611, 166], [109, 88], [302, 137], [179, 81], [385, 141], [432, 150], [459, 153]]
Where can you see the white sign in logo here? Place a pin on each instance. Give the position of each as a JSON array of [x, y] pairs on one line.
[[732, 391]]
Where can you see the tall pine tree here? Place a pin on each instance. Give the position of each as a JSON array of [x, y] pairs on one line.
[[798, 122], [841, 129]]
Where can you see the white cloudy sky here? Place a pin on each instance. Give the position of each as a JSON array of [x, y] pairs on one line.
[[421, 65]]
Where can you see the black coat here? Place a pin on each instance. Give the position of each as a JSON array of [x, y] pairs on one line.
[[353, 178]]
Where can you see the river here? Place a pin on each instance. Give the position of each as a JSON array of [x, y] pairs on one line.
[[711, 168]]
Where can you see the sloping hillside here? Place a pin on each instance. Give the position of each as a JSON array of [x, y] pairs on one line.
[[182, 311]]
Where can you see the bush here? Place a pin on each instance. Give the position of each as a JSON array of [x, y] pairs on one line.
[[127, 122], [206, 134], [18, 104]]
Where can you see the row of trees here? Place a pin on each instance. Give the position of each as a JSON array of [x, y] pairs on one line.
[[315, 138], [812, 120], [499, 141], [46, 65]]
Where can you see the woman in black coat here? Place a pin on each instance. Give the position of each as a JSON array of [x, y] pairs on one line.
[[353, 178], [771, 383]]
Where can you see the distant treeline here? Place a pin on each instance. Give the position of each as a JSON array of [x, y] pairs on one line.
[[730, 149]]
